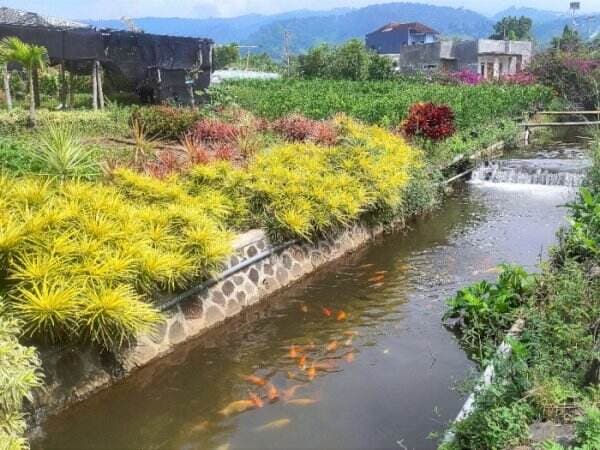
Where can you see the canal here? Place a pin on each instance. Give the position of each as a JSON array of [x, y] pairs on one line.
[[354, 356]]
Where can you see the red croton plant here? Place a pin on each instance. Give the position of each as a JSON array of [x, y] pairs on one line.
[[431, 121]]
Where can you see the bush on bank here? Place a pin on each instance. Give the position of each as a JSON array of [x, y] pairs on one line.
[[553, 371]]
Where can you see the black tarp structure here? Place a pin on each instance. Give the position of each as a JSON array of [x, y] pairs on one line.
[[158, 68]]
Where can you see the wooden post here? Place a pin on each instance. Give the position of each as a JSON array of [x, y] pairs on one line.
[[7, 94], [94, 86], [100, 87], [62, 90], [71, 93], [191, 92]]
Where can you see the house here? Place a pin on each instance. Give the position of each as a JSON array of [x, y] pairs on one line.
[[388, 39], [486, 57]]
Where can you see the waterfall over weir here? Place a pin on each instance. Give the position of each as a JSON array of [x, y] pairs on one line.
[[549, 172]]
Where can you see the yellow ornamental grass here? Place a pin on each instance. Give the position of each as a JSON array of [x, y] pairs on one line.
[[83, 263]]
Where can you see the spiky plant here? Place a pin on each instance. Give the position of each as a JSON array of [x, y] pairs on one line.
[[59, 153], [48, 309], [116, 315], [143, 143]]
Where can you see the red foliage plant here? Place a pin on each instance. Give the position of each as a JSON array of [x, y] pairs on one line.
[[224, 152], [166, 163], [300, 128], [213, 130], [435, 122]]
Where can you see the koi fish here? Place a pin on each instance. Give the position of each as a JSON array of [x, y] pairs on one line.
[[238, 406], [302, 362], [302, 401], [327, 312], [274, 425], [304, 308], [272, 393], [341, 315], [312, 372], [351, 333], [377, 279], [366, 266], [255, 380], [256, 400], [348, 342], [293, 352], [200, 427], [376, 285], [403, 267], [332, 346], [381, 272], [494, 270], [350, 357], [291, 392], [325, 366]]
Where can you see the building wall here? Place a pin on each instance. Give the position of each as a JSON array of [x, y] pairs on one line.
[[387, 42]]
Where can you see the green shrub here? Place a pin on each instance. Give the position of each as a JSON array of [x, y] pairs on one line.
[[167, 122], [19, 375]]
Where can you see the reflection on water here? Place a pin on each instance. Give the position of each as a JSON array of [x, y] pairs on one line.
[[352, 357]]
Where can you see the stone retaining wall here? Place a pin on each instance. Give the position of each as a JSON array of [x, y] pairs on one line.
[[73, 374]]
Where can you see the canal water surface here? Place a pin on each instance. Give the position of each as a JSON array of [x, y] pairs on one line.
[[354, 356]]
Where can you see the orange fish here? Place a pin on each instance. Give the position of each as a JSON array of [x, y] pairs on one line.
[[327, 312], [332, 346], [302, 362], [350, 357], [293, 352], [312, 372], [304, 308], [341, 315], [377, 279], [256, 400], [272, 393], [255, 380]]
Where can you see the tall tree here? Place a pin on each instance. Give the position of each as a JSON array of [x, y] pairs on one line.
[[569, 41], [226, 56], [33, 58], [513, 28]]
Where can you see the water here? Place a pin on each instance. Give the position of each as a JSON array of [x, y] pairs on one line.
[[397, 386]]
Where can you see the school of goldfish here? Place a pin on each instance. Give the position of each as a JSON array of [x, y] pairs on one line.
[[305, 368]]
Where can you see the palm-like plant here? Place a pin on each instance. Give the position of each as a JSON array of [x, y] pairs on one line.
[[31, 57]]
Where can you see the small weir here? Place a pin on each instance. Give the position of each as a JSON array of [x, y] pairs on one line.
[[548, 172], [354, 356]]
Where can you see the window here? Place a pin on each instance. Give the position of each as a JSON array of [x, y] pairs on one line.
[[482, 68]]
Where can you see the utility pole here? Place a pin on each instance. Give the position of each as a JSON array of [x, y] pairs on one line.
[[286, 50], [248, 48]]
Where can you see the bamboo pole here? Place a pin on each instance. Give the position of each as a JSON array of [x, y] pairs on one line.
[[94, 86], [62, 91], [100, 87], [7, 94]]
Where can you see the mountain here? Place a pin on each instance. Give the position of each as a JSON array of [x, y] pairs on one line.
[[539, 16], [308, 28], [221, 30], [309, 31]]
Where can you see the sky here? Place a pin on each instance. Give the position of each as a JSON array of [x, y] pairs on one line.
[[110, 9]]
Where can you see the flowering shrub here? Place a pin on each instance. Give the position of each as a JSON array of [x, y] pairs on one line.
[[298, 128], [466, 76], [435, 122], [520, 78]]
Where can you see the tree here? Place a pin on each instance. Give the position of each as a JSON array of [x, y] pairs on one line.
[[315, 63], [226, 56], [351, 61], [31, 57], [513, 28], [569, 41]]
